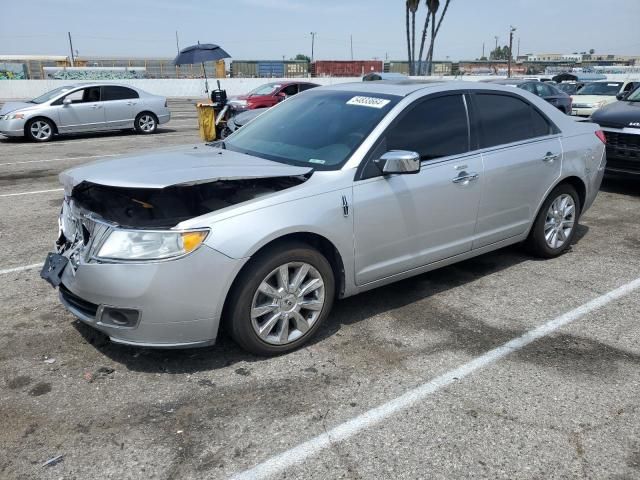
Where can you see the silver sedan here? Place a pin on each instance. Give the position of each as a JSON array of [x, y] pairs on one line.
[[84, 108], [338, 190]]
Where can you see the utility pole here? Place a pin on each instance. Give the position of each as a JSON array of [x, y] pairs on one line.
[[351, 47], [518, 47], [496, 37], [73, 60], [177, 43], [313, 40], [511, 30], [482, 51]]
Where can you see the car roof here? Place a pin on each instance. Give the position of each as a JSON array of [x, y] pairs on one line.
[[407, 87]]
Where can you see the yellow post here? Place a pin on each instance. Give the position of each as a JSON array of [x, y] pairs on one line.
[[206, 121]]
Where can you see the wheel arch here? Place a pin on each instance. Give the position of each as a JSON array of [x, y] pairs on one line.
[[576, 182], [40, 117], [314, 240]]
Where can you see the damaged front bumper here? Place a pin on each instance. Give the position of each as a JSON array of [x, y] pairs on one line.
[[172, 303]]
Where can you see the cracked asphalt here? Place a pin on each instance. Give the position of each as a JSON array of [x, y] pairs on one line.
[[565, 406]]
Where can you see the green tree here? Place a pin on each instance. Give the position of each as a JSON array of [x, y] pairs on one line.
[[433, 6], [303, 57]]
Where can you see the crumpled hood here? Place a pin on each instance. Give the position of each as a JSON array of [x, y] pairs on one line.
[[582, 99], [186, 165], [619, 115], [13, 106]]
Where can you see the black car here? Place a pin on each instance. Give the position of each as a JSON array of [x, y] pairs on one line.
[[241, 119], [620, 122], [549, 92]]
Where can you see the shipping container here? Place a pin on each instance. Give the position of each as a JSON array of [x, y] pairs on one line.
[[346, 68], [244, 69], [395, 66], [296, 68], [271, 69]]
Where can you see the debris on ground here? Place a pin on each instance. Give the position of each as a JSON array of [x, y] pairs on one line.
[[102, 372], [53, 461], [49, 360]]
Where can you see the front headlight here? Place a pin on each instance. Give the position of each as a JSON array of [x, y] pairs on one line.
[[12, 116], [150, 245]]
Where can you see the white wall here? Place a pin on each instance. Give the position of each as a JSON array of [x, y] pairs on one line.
[[22, 89], [10, 89]]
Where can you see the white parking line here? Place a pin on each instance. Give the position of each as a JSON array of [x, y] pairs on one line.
[[285, 460], [31, 193], [61, 159], [20, 269]]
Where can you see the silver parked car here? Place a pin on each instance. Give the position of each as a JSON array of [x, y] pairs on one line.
[[84, 108], [336, 191]]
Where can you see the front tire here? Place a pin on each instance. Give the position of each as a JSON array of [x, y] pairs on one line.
[[146, 123], [281, 299], [555, 226], [40, 130]]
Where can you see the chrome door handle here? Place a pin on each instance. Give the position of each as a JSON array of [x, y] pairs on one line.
[[465, 178], [96, 106], [550, 157], [131, 103]]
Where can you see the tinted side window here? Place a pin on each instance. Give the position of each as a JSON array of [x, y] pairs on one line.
[[544, 90], [505, 119], [290, 90], [434, 128], [112, 92], [306, 86]]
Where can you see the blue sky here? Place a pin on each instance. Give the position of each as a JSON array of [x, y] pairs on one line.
[[261, 29]]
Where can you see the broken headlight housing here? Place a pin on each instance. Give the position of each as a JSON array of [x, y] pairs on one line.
[[138, 245]]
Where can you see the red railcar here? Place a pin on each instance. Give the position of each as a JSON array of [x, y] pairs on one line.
[[346, 68]]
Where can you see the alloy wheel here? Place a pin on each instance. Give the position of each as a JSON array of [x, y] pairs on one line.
[[41, 130], [287, 303], [147, 123], [560, 221]]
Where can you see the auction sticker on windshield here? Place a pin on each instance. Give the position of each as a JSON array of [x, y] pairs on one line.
[[368, 102]]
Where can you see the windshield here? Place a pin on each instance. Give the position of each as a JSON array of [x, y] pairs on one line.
[[601, 88], [317, 129], [52, 94], [267, 89], [569, 88]]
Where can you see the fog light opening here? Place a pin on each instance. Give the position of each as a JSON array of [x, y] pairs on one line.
[[119, 317]]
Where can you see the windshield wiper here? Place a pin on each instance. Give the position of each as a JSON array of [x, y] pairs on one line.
[[218, 144]]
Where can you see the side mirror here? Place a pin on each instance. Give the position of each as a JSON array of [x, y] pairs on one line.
[[67, 101], [621, 95], [281, 96], [399, 161]]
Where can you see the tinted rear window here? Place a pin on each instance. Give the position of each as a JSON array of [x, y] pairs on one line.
[[506, 119], [113, 92]]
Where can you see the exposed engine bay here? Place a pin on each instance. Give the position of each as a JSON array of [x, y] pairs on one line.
[[166, 207]]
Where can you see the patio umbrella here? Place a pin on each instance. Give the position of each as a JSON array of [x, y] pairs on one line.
[[200, 53]]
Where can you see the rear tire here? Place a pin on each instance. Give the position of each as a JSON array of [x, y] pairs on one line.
[[146, 123], [280, 299], [40, 130], [555, 226]]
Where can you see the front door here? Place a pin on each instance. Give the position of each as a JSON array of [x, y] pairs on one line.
[[405, 221], [84, 113]]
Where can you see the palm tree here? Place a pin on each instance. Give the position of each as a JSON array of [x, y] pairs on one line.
[[412, 6], [433, 6], [423, 39], [408, 35]]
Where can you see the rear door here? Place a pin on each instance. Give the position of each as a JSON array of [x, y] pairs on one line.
[[522, 157], [120, 106], [402, 222], [84, 113]]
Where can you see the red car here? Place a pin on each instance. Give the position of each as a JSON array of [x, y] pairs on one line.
[[268, 95]]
